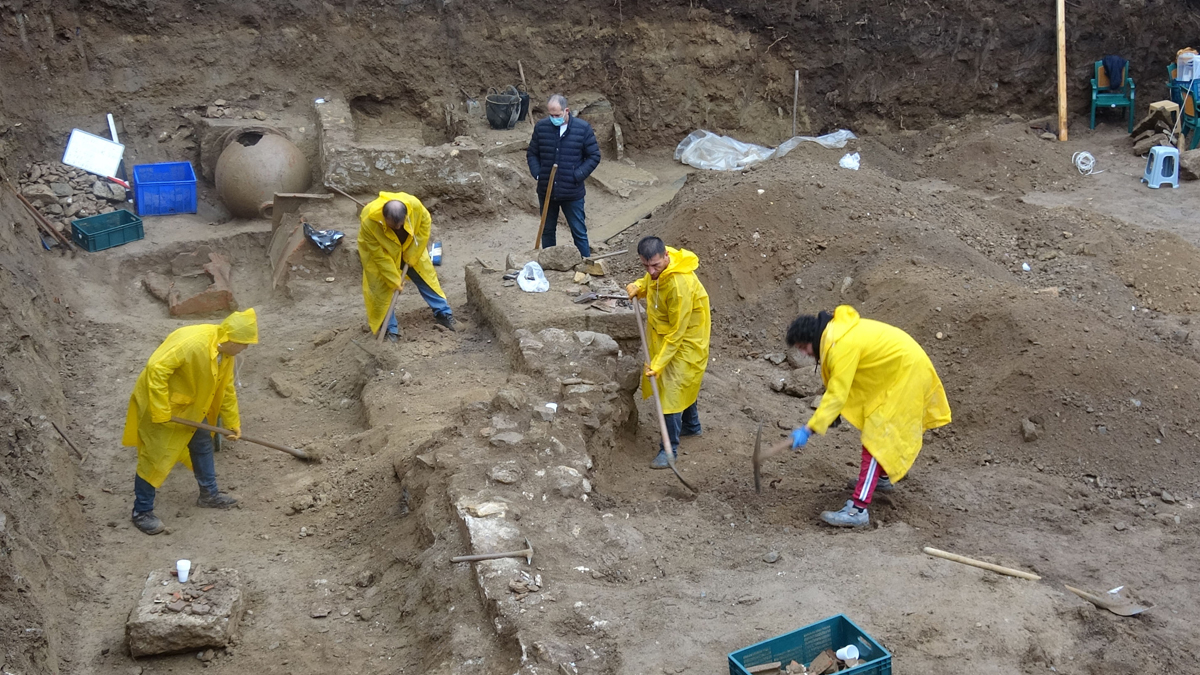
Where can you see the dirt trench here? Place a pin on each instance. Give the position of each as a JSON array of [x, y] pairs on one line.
[[347, 561]]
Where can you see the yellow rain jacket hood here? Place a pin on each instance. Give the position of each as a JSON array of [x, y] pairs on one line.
[[184, 378], [382, 255], [678, 323], [880, 380]]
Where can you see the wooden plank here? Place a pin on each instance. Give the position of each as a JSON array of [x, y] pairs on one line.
[[629, 217]]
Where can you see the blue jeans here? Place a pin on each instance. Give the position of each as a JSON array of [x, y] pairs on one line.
[[436, 302], [575, 218], [201, 450], [687, 422]]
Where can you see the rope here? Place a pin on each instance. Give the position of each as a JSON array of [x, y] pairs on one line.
[[1085, 162]]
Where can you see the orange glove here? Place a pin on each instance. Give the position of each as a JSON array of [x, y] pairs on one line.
[[633, 290]]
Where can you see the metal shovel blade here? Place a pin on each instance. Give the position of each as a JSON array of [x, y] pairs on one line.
[[1117, 604]]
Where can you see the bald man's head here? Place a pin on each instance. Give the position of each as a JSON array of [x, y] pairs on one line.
[[394, 213]]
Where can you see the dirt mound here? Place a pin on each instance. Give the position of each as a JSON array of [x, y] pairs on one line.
[[1078, 344]]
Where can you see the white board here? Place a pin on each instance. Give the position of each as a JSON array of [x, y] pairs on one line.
[[92, 153]]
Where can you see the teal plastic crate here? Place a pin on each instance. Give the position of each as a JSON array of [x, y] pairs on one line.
[[804, 644], [96, 233]]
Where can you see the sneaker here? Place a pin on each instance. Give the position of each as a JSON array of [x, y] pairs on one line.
[[685, 434], [392, 337], [447, 321], [849, 516], [148, 522], [660, 461], [885, 484], [217, 501]]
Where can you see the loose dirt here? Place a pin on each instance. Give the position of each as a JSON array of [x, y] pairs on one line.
[[346, 562]]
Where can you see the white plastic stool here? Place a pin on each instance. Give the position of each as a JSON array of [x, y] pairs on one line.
[[1162, 166]]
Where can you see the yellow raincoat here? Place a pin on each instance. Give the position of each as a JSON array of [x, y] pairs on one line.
[[382, 255], [880, 380], [183, 378], [678, 323]]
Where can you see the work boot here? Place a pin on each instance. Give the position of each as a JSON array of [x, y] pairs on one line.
[[660, 461], [849, 516], [885, 484], [219, 500], [148, 522], [447, 321]]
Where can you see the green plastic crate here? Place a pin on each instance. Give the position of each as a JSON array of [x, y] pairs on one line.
[[96, 233], [804, 644]]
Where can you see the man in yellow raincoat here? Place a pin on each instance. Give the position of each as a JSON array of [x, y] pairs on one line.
[[678, 323], [189, 376], [880, 380], [395, 230]]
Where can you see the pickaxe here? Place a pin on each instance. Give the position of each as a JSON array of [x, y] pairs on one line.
[[527, 554]]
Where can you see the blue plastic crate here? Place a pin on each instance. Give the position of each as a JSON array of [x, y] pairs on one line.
[[164, 189], [804, 644], [96, 233]]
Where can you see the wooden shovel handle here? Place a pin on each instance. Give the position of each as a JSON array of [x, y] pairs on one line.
[[545, 207], [226, 432], [937, 553]]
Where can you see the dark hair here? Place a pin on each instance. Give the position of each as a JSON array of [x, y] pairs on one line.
[[651, 247], [807, 329], [395, 211]]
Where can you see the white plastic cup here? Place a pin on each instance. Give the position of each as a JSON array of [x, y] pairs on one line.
[[183, 567], [847, 653]]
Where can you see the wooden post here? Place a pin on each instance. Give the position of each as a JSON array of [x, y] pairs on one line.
[[795, 100], [1062, 70]]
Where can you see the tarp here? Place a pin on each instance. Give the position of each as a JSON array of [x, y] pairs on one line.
[[706, 150]]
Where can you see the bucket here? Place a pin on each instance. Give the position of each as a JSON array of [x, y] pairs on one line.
[[502, 109], [524, 103]]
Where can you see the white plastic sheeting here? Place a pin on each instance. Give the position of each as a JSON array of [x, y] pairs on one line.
[[532, 279], [706, 150]]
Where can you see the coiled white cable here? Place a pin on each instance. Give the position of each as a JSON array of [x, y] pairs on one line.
[[1085, 162]]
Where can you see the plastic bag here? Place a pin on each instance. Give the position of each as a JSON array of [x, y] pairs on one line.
[[706, 150], [850, 161], [532, 279], [326, 240]]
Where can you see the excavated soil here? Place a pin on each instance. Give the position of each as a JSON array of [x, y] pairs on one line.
[[346, 561]]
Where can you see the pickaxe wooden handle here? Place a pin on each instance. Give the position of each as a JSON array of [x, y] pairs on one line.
[[527, 554]]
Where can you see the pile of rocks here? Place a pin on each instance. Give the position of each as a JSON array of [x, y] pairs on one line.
[[63, 193]]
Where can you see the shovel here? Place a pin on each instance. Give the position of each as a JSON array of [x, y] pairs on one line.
[[760, 455], [662, 421], [298, 454]]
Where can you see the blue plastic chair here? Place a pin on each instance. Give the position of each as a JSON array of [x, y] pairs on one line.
[[1103, 97]]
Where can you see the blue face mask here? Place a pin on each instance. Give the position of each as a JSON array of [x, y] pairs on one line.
[[557, 121]]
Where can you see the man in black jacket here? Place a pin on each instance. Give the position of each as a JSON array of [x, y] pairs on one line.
[[569, 142]]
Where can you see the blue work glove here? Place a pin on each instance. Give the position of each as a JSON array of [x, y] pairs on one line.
[[800, 437]]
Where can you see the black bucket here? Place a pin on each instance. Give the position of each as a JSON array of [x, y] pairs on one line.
[[502, 109], [524, 104]]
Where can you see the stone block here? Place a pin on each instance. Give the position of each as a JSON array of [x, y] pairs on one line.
[[39, 194], [217, 297], [210, 620], [569, 483], [559, 258], [159, 285], [1189, 164]]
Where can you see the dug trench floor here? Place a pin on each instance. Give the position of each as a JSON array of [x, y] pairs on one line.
[[664, 580]]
